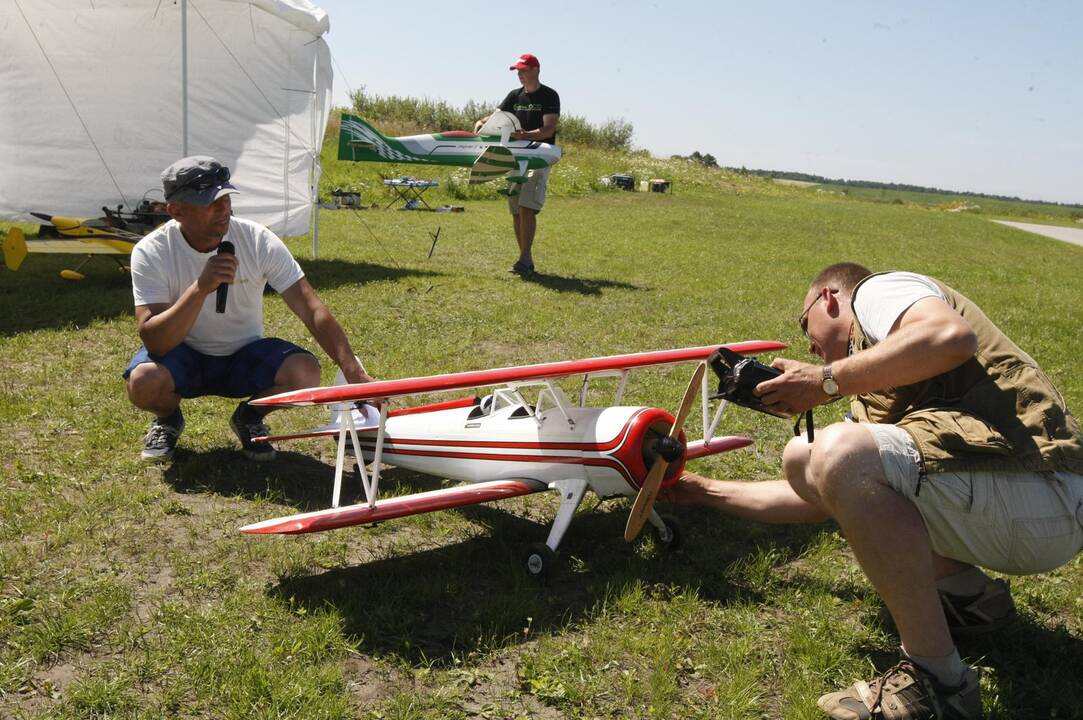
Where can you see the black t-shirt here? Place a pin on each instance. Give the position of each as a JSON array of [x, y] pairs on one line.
[[530, 107]]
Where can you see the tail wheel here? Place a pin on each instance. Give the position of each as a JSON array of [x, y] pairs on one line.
[[540, 561], [671, 536]]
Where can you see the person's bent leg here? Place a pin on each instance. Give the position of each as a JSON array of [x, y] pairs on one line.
[[266, 367], [846, 474], [151, 388], [300, 370], [885, 531]]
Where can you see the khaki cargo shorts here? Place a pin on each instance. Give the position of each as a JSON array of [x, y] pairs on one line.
[[1011, 522], [531, 193]]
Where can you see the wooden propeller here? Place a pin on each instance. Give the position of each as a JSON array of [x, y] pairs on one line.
[[648, 492]]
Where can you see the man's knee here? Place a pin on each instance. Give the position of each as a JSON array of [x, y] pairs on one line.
[[300, 370], [149, 381], [795, 461], [843, 458]]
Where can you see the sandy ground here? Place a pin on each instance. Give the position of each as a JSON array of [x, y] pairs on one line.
[[1067, 234]]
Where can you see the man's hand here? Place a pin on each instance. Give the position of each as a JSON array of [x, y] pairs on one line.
[[691, 489], [219, 269], [354, 372], [796, 390]]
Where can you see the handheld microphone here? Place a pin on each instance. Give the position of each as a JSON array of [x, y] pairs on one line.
[[224, 248]]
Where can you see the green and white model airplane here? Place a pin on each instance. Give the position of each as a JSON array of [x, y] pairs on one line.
[[490, 154]]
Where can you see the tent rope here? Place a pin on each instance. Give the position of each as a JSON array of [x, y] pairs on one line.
[[71, 102]]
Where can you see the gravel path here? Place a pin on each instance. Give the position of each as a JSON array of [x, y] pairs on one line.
[[1067, 234]]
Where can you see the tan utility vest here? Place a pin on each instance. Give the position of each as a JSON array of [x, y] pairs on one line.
[[996, 411]]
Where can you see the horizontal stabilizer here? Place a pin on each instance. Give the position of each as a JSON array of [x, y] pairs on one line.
[[417, 504], [493, 164], [14, 248]]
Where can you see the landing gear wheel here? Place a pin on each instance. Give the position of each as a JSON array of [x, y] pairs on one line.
[[672, 536], [540, 561]]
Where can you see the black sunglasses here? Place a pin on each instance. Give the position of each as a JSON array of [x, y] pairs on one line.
[[803, 319], [204, 180]]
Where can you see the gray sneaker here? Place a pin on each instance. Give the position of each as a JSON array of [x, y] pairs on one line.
[[247, 424], [161, 438]]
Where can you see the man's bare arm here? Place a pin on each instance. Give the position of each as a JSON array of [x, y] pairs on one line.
[[928, 339], [163, 326], [549, 126], [306, 305]]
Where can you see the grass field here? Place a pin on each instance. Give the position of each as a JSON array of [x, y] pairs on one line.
[[979, 205], [126, 592]]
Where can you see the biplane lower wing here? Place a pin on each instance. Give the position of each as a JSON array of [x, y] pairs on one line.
[[363, 514]]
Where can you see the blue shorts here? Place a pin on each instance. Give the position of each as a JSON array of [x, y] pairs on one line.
[[247, 372]]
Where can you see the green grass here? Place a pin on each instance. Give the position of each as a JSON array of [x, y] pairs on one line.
[[126, 592]]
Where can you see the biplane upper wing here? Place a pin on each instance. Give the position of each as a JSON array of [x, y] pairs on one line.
[[382, 389]]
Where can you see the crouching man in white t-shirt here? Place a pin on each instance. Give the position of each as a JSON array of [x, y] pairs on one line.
[[962, 455], [197, 342]]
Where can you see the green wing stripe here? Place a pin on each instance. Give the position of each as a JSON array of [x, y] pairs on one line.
[[494, 163]]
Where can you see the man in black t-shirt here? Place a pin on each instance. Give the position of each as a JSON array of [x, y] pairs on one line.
[[538, 108]]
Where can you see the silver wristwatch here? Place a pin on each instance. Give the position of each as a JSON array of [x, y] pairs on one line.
[[829, 385]]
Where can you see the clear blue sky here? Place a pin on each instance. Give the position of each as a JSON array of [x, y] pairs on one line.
[[980, 96]]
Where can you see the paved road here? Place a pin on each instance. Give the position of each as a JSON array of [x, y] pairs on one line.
[[1067, 234]]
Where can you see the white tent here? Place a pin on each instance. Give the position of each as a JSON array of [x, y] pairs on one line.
[[99, 96]]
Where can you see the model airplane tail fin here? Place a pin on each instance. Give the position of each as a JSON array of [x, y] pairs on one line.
[[14, 248], [493, 164], [359, 141]]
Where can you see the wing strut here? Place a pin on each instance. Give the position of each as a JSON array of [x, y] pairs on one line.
[[370, 482]]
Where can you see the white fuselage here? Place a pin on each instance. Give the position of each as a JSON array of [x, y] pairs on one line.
[[602, 446]]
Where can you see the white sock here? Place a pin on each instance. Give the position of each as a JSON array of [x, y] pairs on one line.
[[969, 582], [948, 670]]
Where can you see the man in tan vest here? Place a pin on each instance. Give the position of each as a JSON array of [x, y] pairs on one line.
[[961, 454]]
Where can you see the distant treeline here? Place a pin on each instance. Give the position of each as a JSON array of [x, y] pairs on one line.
[[436, 116], [786, 175]]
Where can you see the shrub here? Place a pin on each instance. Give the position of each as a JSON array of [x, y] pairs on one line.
[[403, 115]]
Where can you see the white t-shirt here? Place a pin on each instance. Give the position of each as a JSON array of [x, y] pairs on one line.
[[164, 265], [883, 298]]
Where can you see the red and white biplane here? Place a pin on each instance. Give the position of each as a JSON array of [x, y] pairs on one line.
[[503, 446]]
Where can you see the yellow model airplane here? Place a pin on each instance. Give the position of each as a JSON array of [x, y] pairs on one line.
[[115, 235]]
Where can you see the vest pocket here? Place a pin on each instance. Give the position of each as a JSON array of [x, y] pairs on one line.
[[947, 433]]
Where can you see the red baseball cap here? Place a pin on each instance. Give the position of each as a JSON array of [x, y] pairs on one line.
[[526, 60]]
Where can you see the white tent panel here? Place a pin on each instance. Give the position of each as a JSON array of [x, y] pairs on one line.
[[92, 102]]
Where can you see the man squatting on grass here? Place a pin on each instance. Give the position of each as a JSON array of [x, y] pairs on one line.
[[961, 453], [538, 108], [190, 349]]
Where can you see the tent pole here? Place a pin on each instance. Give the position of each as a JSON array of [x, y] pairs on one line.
[[184, 77], [316, 167]]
